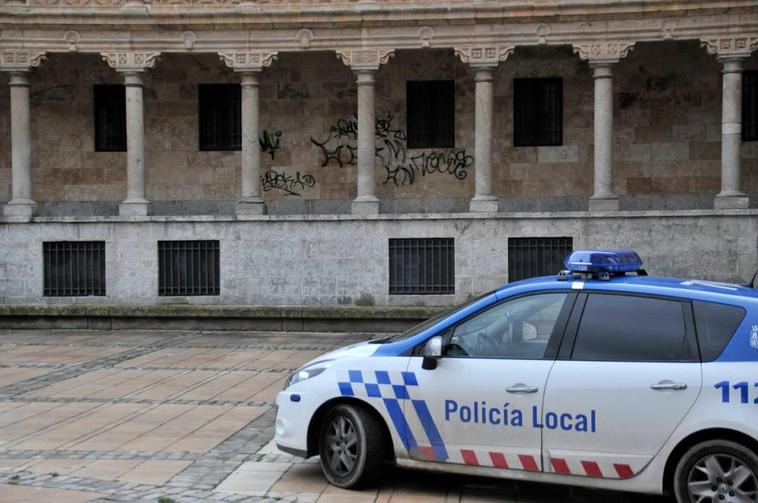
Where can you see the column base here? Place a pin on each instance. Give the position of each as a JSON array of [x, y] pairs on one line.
[[730, 201], [134, 209], [365, 206], [250, 207], [486, 204], [604, 203], [20, 208]]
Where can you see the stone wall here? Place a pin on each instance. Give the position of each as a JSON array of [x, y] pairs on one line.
[[667, 147], [330, 260]]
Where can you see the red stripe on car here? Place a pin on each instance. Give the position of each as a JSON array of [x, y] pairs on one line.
[[469, 457], [592, 469], [560, 466], [528, 462], [624, 471], [498, 460]]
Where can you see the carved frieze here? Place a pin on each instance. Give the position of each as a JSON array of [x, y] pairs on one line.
[[730, 46], [130, 61], [248, 60], [21, 59], [484, 56], [365, 59], [603, 52]]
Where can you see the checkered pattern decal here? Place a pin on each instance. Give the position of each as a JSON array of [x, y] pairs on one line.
[[391, 388]]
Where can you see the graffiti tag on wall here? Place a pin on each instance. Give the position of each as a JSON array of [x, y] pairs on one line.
[[270, 142], [288, 184]]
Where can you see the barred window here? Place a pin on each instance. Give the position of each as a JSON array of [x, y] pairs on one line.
[[220, 116], [188, 268], [531, 257], [422, 266], [537, 112], [431, 113], [73, 268], [750, 106], [110, 118]]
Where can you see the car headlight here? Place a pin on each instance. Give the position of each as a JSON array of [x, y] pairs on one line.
[[307, 372]]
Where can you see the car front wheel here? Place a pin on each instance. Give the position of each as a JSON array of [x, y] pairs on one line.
[[351, 447], [717, 471]]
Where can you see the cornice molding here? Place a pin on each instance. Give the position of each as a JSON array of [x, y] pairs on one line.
[[365, 59], [130, 61], [605, 52], [486, 56], [730, 46], [20, 60], [241, 61]]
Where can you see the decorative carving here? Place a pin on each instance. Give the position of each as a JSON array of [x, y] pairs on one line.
[[426, 33], [730, 46], [543, 30], [130, 61], [248, 60], [77, 3], [189, 38], [668, 28], [304, 37], [365, 59], [603, 52], [21, 60], [72, 38], [484, 56]]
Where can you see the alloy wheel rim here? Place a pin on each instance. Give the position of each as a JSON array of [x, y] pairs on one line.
[[722, 478], [342, 445]]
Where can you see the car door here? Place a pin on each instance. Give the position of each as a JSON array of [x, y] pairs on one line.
[[477, 406], [630, 365]]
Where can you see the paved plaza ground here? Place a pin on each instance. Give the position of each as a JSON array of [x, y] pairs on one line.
[[184, 416]]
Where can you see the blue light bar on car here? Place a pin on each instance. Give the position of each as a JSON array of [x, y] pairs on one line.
[[611, 261]]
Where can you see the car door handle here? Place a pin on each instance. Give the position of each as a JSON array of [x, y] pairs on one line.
[[668, 385], [522, 388]]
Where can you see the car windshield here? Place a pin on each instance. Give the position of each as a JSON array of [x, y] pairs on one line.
[[432, 321]]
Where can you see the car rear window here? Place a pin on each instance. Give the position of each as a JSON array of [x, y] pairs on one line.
[[715, 324]]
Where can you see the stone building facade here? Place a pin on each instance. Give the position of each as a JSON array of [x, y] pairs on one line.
[[650, 153]]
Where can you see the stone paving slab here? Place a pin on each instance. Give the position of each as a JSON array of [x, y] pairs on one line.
[[134, 416]]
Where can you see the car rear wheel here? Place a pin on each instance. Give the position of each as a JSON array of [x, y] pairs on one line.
[[351, 447], [718, 471]]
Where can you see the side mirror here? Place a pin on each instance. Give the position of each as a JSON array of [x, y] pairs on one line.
[[432, 352]]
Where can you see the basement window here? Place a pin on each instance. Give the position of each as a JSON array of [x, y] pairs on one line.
[[219, 116], [188, 268], [431, 113], [750, 106], [73, 268], [110, 118], [422, 266], [532, 257], [537, 112]]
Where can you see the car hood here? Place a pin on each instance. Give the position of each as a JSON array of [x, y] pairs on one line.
[[358, 350]]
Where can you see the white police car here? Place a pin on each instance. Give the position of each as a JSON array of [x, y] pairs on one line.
[[602, 377]]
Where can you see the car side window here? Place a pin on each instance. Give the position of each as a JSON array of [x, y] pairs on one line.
[[715, 324], [632, 328], [515, 329]]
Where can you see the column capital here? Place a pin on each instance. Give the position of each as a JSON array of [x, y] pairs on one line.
[[133, 79], [365, 59], [730, 47], [248, 61], [130, 62], [602, 52], [484, 73], [365, 77], [485, 56], [21, 60], [731, 63], [602, 70], [20, 78], [249, 77]]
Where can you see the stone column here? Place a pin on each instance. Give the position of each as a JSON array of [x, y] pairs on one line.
[[731, 135], [250, 202], [21, 203], [603, 198], [366, 202], [483, 200], [135, 203]]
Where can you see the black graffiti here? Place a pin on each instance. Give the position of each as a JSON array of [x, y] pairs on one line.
[[270, 142], [342, 154], [346, 129], [287, 183]]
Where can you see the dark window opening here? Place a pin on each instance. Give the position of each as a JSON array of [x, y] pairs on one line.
[[626, 328], [532, 257], [422, 266], [220, 116], [715, 323], [73, 268], [110, 118], [431, 113], [750, 106], [537, 112], [188, 268]]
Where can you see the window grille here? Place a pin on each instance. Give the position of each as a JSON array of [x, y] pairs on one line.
[[73, 268], [537, 112], [531, 257], [422, 266], [220, 116], [431, 113], [750, 106], [188, 268], [110, 118]]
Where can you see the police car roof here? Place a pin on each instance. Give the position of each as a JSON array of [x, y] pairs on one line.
[[674, 287]]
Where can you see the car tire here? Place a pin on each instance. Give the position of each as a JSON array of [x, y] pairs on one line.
[[716, 470], [352, 447]]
